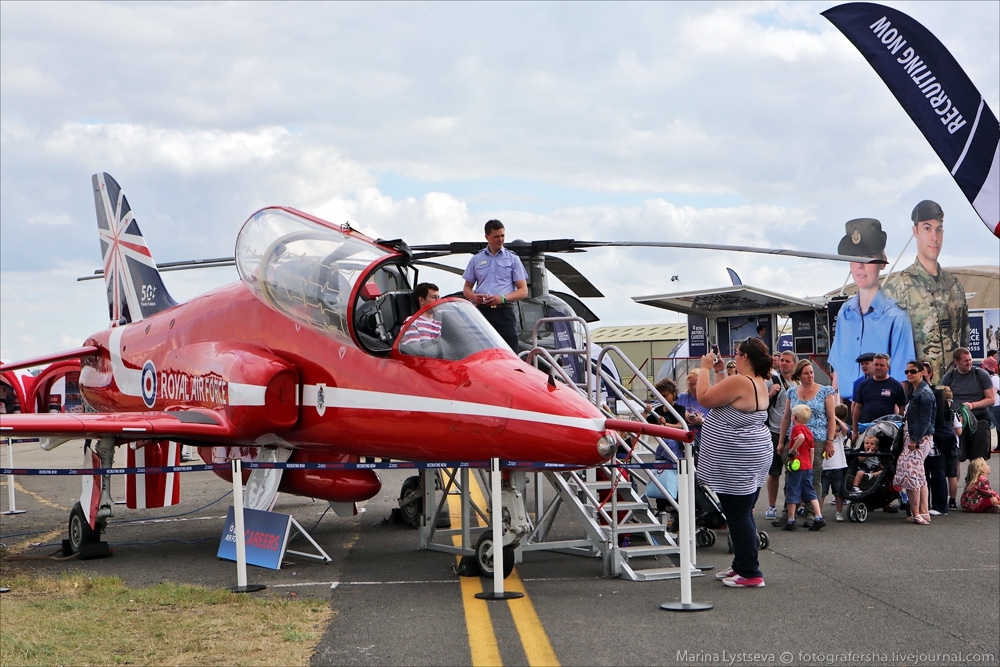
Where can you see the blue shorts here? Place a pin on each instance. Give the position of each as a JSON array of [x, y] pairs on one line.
[[799, 486], [833, 480]]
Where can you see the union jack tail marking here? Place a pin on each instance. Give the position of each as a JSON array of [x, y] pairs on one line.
[[135, 289]]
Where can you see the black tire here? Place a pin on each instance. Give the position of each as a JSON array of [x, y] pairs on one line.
[[411, 512], [860, 512], [763, 540], [852, 514], [484, 556], [703, 537], [80, 532]]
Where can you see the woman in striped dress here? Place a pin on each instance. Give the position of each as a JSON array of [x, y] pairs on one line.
[[736, 450]]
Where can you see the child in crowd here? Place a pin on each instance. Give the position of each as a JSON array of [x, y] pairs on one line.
[[868, 466], [799, 480], [835, 466], [978, 496]]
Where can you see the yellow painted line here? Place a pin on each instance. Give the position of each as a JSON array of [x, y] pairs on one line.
[[478, 624], [18, 487], [535, 641]]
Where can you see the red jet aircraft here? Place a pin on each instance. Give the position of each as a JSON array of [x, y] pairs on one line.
[[307, 357]]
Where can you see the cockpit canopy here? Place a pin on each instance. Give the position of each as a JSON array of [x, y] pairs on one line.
[[348, 287], [449, 329], [303, 268]]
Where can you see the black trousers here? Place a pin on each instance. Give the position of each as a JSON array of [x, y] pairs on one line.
[[504, 321], [937, 483], [743, 531], [975, 445]]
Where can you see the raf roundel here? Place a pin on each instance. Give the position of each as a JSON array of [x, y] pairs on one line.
[[149, 384]]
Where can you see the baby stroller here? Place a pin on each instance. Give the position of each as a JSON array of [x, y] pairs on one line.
[[708, 518], [877, 490]]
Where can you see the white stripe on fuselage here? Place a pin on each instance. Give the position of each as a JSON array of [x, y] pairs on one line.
[[359, 399], [129, 380], [246, 394]]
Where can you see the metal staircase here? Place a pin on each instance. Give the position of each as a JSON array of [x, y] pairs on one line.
[[607, 503], [619, 525]]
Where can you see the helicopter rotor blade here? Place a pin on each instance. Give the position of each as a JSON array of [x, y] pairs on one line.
[[785, 252], [442, 267], [183, 265], [525, 248], [570, 277]]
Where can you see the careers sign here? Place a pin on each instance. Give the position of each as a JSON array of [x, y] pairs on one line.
[[266, 535]]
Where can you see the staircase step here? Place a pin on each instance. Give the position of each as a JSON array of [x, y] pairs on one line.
[[627, 506], [644, 550], [660, 573], [632, 528]]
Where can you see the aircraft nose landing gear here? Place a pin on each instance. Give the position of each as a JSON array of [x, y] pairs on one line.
[[515, 526], [484, 556]]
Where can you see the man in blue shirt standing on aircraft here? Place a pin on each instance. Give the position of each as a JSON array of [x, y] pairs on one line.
[[494, 279]]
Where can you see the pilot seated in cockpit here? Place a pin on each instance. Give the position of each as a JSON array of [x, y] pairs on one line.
[[422, 327]]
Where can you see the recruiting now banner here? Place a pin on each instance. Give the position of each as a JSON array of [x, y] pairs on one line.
[[938, 95]]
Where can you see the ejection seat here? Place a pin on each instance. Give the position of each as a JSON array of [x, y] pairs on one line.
[[393, 309]]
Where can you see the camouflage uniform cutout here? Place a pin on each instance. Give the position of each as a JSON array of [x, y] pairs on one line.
[[938, 313]]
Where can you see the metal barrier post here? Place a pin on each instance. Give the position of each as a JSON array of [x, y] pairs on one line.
[[241, 546], [11, 504], [498, 593], [685, 552]]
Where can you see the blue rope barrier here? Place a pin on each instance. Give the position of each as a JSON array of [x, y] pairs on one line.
[[253, 465]]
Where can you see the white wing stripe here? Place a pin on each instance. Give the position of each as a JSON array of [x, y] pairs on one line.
[[384, 401]]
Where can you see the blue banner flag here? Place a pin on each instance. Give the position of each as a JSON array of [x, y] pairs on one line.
[[937, 94]]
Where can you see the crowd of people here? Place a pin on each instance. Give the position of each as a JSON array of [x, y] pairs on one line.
[[772, 419]]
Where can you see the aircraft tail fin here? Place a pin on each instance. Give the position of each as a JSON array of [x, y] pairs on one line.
[[135, 288]]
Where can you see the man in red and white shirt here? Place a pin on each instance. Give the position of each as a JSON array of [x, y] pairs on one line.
[[423, 327]]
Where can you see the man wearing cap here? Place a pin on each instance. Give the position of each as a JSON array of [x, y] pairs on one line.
[[494, 279], [868, 321], [933, 298], [865, 361]]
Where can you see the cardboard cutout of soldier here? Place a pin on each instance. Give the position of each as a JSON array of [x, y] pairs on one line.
[[933, 299], [869, 321]]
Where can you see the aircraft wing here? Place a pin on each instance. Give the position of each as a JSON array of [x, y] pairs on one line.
[[125, 426], [46, 359]]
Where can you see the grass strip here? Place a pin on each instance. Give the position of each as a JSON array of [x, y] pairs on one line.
[[75, 619]]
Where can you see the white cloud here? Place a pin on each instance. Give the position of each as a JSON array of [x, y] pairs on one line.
[[186, 152], [59, 218], [737, 123]]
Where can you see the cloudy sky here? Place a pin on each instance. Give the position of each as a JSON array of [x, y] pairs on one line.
[[738, 123]]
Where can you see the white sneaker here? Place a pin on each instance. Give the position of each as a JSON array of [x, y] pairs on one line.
[[934, 513], [840, 516], [833, 501], [726, 574], [771, 512]]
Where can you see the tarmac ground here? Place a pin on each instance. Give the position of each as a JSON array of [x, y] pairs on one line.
[[884, 592]]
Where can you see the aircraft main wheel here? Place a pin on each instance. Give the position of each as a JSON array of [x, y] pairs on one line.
[[763, 540], [80, 532], [484, 556], [410, 513], [860, 512]]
